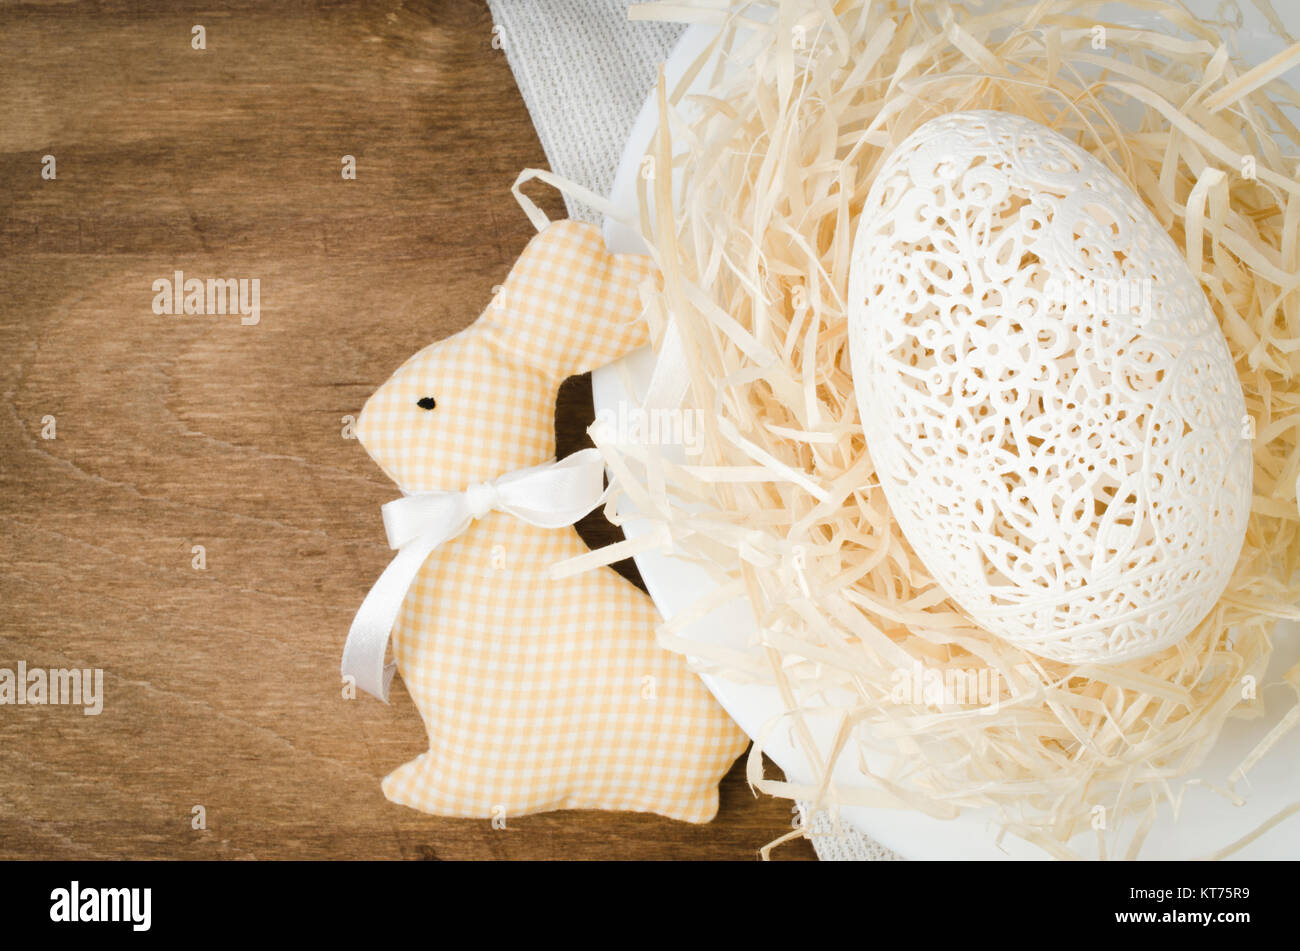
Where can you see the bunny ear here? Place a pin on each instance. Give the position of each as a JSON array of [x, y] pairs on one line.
[[569, 306]]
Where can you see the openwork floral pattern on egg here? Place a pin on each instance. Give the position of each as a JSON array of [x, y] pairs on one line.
[[1047, 396]]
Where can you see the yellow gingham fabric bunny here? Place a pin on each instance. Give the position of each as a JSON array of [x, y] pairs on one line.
[[537, 694]]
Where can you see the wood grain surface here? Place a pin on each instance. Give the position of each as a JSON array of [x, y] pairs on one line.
[[221, 685]]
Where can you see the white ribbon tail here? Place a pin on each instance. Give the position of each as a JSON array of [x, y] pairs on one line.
[[363, 654]]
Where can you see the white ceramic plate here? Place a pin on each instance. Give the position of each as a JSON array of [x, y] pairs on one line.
[[1204, 822]]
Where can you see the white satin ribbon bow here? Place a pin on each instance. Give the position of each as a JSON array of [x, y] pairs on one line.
[[551, 495]]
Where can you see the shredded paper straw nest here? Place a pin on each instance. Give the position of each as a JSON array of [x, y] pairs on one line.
[[770, 170]]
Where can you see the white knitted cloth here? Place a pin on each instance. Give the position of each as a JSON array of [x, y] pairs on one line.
[[584, 70]]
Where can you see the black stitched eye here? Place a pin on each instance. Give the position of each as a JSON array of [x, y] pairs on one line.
[[427, 402]]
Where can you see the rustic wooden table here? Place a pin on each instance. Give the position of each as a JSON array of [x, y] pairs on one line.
[[221, 684]]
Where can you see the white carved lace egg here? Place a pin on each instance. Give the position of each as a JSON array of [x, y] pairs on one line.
[[1047, 397]]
